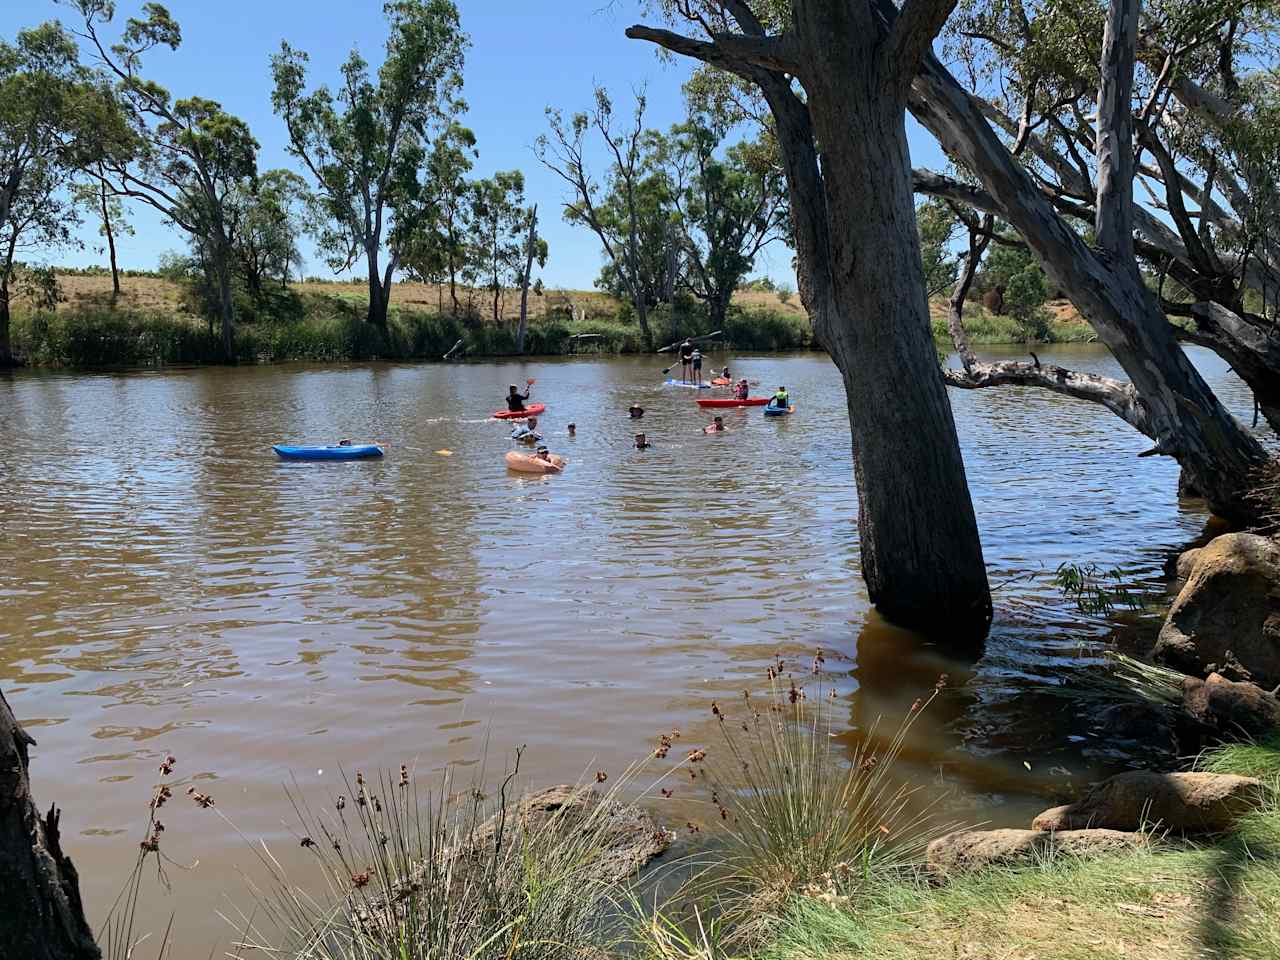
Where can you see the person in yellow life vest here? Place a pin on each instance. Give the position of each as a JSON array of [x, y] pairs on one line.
[[781, 399]]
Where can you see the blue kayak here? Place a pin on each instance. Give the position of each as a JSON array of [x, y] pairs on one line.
[[772, 411], [351, 451], [688, 383]]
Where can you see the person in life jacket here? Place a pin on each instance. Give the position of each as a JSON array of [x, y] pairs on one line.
[[781, 399], [516, 399], [741, 390]]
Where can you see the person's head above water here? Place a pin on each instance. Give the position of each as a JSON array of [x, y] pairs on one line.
[[719, 421], [573, 427], [532, 422], [544, 453], [641, 441], [636, 411]]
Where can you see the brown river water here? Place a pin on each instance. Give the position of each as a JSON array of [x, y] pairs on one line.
[[169, 586]]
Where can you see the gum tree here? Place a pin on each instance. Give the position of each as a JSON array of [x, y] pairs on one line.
[[730, 205], [185, 158], [49, 112], [839, 75], [613, 208], [365, 144]]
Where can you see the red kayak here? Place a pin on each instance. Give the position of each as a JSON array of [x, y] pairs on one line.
[[721, 402], [532, 410]]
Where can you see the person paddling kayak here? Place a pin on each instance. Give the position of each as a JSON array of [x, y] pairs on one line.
[[516, 399], [781, 399]]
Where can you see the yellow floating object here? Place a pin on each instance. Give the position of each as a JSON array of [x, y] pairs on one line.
[[527, 463], [445, 453]]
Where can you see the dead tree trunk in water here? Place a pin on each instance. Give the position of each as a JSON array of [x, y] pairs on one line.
[[41, 916], [862, 282]]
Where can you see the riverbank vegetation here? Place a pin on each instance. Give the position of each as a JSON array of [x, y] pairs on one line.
[[798, 849], [155, 320]]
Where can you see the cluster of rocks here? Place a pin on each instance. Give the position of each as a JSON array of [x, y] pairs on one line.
[[1223, 632], [1120, 813]]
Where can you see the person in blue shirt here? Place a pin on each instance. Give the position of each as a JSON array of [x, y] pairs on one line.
[[527, 432]]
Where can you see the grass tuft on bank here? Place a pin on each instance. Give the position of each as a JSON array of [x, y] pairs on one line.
[[1173, 900]]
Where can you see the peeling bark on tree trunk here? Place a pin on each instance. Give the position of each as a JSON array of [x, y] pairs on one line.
[[921, 556], [41, 916], [530, 243], [1188, 421]]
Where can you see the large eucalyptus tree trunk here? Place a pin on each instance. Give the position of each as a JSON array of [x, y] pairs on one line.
[[41, 916], [921, 555], [862, 283]]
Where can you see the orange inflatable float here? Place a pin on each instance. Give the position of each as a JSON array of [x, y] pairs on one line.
[[528, 463]]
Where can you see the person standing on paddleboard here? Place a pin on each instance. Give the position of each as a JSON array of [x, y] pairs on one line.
[[686, 360], [696, 360]]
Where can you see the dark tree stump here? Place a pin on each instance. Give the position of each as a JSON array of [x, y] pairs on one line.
[[41, 916]]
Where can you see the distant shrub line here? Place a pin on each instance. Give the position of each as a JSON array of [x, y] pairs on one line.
[[321, 327]]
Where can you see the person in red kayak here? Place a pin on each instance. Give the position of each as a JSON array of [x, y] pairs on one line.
[[741, 390], [516, 399]]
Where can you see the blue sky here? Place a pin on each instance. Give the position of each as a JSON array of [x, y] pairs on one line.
[[524, 56]]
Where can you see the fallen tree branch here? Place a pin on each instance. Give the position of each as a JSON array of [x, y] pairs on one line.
[[1118, 396]]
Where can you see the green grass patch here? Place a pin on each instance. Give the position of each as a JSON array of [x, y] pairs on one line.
[[1170, 901]]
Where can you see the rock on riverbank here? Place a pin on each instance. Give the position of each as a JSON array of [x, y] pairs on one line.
[[1227, 615]]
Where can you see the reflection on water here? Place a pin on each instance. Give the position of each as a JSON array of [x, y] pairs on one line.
[[169, 586]]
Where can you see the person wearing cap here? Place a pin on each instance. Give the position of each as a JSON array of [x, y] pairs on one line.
[[544, 455], [686, 359], [527, 432], [636, 411], [642, 442], [516, 399], [742, 390], [715, 426], [696, 360], [781, 399]]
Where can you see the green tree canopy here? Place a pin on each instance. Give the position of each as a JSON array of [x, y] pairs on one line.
[[365, 144]]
